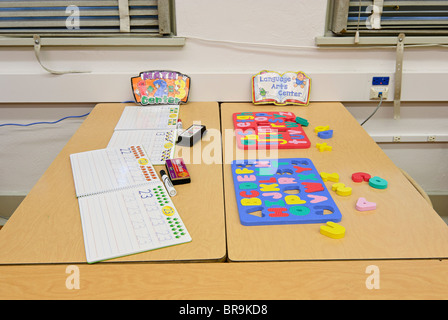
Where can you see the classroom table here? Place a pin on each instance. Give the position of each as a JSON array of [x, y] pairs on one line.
[[403, 226], [254, 281], [46, 227], [42, 243]]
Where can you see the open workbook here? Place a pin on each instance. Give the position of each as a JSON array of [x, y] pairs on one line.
[[153, 127], [124, 206]]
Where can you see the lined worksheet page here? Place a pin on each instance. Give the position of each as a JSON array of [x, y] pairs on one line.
[[159, 143], [149, 117], [130, 221], [110, 169]]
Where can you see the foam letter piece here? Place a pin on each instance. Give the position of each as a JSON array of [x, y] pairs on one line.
[[294, 200], [329, 176], [269, 187], [262, 164], [253, 193], [317, 198], [335, 186], [247, 178], [279, 203], [360, 177], [321, 128], [363, 205], [274, 195], [299, 210], [301, 169], [250, 202], [323, 147], [248, 185], [333, 230], [377, 183], [278, 212], [286, 180], [311, 176], [302, 121], [242, 171], [327, 134], [296, 141], [341, 189], [248, 143], [313, 187]]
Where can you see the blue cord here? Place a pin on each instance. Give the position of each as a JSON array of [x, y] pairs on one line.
[[31, 124]]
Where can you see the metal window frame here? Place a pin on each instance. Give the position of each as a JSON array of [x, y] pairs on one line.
[[333, 22], [167, 35]]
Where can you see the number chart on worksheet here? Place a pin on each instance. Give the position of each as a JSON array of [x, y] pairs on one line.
[[124, 206], [281, 191], [154, 117], [129, 221], [269, 130], [152, 127], [160, 143]]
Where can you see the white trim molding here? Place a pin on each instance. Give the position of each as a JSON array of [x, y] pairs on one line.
[[115, 87]]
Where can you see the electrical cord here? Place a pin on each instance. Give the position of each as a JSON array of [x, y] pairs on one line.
[[329, 47], [51, 122], [43, 122], [379, 104]]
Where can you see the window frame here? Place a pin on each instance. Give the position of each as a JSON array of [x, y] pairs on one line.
[[168, 37], [330, 39]]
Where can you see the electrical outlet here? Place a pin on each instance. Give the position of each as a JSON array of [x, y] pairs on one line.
[[376, 90], [431, 138], [397, 138], [380, 81]]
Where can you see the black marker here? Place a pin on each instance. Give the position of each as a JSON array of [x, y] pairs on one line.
[[169, 186]]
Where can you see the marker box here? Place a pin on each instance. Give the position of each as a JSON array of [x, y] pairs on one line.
[[177, 171], [191, 135]]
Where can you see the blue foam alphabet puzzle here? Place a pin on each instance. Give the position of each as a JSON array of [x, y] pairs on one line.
[[281, 191]]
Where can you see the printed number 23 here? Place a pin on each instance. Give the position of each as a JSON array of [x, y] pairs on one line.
[[145, 194]]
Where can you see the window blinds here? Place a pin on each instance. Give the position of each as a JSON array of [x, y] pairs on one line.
[[85, 17], [390, 17]]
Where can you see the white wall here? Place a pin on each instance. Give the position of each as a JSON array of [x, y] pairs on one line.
[[221, 71]]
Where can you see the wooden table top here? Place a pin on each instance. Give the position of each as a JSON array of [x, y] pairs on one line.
[[402, 226], [46, 227], [333, 280], [43, 239]]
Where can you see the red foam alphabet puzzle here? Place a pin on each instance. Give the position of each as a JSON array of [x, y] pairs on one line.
[[269, 130]]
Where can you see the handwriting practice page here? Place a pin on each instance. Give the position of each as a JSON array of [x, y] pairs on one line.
[[110, 169], [153, 117], [130, 221], [124, 206], [159, 143]]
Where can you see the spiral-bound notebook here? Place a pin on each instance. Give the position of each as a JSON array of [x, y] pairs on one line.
[[153, 117], [124, 206], [152, 127], [160, 143]]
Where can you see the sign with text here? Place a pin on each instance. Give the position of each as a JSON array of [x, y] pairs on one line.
[[161, 87], [290, 88]]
